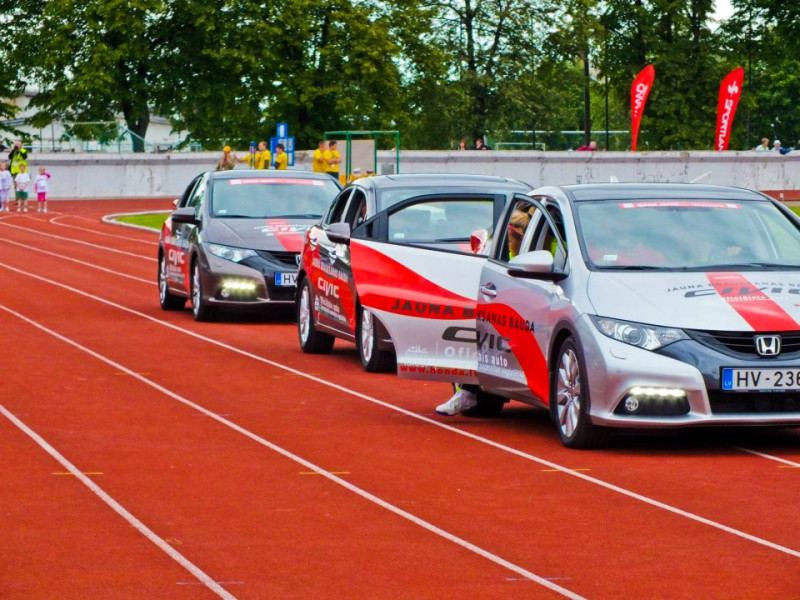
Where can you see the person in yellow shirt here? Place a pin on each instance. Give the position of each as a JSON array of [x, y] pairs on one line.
[[333, 159], [263, 157], [281, 158], [318, 164]]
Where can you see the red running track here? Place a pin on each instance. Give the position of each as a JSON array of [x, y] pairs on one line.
[[148, 456]]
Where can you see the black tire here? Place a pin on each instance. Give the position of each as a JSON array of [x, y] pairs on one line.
[[569, 393], [200, 308], [311, 340], [166, 299], [489, 406], [373, 359]]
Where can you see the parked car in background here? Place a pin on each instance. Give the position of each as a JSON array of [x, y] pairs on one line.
[[387, 209], [235, 237], [628, 306]]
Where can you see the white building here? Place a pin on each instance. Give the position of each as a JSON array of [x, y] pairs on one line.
[[55, 137]]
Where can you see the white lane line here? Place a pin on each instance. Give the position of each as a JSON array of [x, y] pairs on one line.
[[80, 262], [150, 282], [74, 241], [767, 456], [118, 508], [266, 443], [56, 221], [587, 478]]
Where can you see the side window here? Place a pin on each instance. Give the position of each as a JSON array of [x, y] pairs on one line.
[[524, 216], [446, 224], [357, 209], [187, 193], [548, 234], [198, 197], [337, 210]]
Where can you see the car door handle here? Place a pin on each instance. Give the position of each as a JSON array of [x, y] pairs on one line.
[[488, 290]]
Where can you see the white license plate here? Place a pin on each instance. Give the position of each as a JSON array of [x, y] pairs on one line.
[[286, 279], [761, 380]]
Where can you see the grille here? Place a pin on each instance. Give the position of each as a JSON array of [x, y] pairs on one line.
[[285, 258], [746, 403], [741, 343]]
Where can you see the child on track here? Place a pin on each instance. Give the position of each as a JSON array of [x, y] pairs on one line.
[[6, 185], [22, 181], [40, 187]]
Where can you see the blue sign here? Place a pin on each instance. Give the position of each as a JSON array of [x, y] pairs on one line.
[[284, 138]]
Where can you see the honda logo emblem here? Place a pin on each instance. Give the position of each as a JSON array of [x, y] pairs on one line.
[[768, 345]]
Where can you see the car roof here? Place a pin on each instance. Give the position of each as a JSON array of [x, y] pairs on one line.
[[271, 173], [666, 191], [436, 179]]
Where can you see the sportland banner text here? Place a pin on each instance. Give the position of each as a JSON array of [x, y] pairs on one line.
[[729, 93], [639, 92]]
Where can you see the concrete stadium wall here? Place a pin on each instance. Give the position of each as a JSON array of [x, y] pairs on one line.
[[78, 176]]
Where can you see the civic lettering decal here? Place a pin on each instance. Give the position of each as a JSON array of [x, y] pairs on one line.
[[751, 303], [289, 235]]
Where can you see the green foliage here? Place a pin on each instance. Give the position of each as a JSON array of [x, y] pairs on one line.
[[227, 71]]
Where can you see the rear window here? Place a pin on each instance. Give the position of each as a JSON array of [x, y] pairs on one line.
[[271, 197]]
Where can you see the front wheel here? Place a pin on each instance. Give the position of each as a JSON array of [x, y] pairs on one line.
[[311, 340], [200, 308], [569, 391], [373, 358], [166, 299]]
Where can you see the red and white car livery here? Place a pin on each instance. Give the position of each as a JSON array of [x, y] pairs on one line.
[[235, 238], [627, 306], [408, 213]]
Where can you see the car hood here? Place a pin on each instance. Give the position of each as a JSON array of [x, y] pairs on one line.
[[283, 235], [719, 301]]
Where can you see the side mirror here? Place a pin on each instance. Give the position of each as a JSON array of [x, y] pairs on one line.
[[184, 215], [339, 233], [535, 265], [478, 241]]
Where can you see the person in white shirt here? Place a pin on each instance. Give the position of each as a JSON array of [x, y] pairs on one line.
[[22, 181], [6, 185], [763, 146], [40, 187], [776, 146]]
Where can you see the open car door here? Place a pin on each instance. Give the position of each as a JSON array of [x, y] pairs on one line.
[[414, 269]]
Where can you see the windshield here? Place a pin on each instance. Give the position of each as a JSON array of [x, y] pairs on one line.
[[390, 196], [687, 235], [271, 197]]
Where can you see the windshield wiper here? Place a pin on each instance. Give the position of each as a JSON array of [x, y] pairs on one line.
[[636, 268], [749, 265]]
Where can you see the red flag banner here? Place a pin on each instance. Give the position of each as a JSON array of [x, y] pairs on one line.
[[639, 92], [729, 93]]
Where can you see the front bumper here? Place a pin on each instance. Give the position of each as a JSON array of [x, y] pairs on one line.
[[615, 370], [249, 283]]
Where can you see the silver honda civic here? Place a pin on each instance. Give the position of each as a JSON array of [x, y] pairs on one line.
[[610, 305]]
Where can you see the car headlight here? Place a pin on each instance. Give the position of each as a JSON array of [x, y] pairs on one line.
[[230, 253], [648, 337]]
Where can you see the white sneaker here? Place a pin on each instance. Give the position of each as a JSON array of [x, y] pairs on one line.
[[45, 210], [462, 400], [39, 209]]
